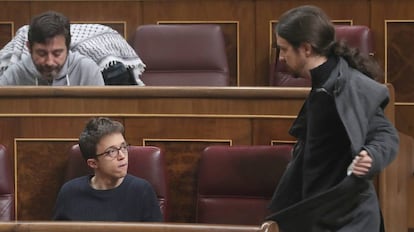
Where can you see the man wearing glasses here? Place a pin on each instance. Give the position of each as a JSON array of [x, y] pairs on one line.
[[110, 194]]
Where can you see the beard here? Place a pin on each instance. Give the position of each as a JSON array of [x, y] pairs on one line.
[[298, 70], [49, 72], [294, 72]]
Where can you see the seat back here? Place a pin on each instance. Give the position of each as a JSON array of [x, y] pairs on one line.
[[236, 183], [356, 36], [182, 55], [6, 187], [144, 162]]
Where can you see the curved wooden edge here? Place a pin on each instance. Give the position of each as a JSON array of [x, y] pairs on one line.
[[151, 91], [53, 226], [269, 226], [161, 91]]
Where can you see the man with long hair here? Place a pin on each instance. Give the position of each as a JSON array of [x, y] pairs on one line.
[[343, 136]]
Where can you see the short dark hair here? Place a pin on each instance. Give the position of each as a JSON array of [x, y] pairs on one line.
[[48, 25], [94, 131]]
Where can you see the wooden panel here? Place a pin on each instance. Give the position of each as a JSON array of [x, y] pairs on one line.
[[6, 32], [55, 127], [190, 128], [229, 102], [399, 56], [392, 21], [404, 122], [15, 12], [393, 185], [410, 203], [383, 10], [129, 12], [40, 166], [269, 137], [404, 118]]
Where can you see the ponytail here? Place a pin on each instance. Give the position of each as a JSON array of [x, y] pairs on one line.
[[362, 62]]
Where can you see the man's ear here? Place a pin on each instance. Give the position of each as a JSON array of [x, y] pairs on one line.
[[307, 48], [93, 163]]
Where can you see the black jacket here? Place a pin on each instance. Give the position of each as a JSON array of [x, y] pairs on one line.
[[352, 204]]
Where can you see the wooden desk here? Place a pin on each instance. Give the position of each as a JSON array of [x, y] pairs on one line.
[[39, 124]]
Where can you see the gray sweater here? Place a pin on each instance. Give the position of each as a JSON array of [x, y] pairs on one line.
[[77, 70]]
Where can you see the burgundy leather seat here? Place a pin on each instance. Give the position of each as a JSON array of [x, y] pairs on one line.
[[182, 55], [145, 162], [356, 36], [236, 183], [6, 187]]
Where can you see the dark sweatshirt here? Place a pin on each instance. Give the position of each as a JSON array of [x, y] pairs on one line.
[[133, 200]]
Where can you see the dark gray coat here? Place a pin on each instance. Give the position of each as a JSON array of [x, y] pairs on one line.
[[352, 204]]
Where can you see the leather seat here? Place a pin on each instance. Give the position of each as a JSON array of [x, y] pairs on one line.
[[182, 55], [236, 183], [146, 162], [6, 187], [356, 36]]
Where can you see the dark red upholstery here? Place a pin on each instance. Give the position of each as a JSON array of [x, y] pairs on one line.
[[236, 183], [182, 55], [145, 162], [356, 36], [6, 187]]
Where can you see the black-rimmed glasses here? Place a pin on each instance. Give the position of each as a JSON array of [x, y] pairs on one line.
[[113, 152]]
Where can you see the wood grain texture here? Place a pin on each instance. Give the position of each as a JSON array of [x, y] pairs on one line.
[[392, 48], [22, 226]]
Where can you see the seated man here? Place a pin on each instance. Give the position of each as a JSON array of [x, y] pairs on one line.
[[110, 194], [50, 61]]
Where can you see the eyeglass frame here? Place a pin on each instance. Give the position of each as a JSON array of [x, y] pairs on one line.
[[124, 146]]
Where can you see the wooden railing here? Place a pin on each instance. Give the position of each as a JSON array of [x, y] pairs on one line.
[[20, 226]]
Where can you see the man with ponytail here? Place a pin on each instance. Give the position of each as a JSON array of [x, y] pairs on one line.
[[343, 136]]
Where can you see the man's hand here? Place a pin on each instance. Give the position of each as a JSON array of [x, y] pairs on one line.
[[362, 163]]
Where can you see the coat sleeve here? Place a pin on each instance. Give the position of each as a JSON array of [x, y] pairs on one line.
[[382, 142], [9, 76], [90, 73]]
